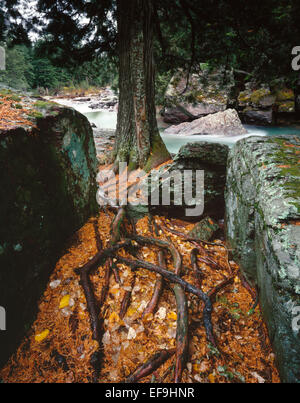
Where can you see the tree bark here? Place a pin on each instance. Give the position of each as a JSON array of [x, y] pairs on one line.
[[138, 141], [297, 98]]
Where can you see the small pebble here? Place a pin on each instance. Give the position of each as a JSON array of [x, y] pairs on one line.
[[55, 284], [131, 334], [162, 313]]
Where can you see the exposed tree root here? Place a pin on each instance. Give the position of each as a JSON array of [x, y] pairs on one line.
[[105, 288], [115, 271], [182, 338], [178, 285], [198, 243], [172, 278], [220, 287], [91, 305], [150, 366], [101, 257], [198, 274], [170, 272], [116, 226], [159, 284], [126, 300], [158, 289]]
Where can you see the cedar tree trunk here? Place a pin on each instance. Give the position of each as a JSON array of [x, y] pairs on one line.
[[138, 141]]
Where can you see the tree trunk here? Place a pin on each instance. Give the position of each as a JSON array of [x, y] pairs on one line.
[[297, 99], [138, 141]]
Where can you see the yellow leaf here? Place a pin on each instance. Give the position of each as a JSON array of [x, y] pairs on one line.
[[115, 290], [196, 368], [42, 336], [172, 316], [114, 318], [131, 311], [64, 302], [148, 317], [211, 378]]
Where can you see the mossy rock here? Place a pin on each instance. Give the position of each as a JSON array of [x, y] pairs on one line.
[[204, 230], [258, 95], [44, 105], [244, 97], [35, 114], [262, 221], [285, 95], [287, 106], [47, 193]]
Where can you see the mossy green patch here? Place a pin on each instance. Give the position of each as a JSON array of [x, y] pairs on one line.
[[287, 106], [285, 94], [258, 95], [35, 114], [159, 154], [14, 97], [244, 97], [4, 92], [44, 105]]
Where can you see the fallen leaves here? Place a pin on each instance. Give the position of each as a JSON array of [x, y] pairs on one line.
[[245, 353], [10, 116], [64, 303], [42, 336]]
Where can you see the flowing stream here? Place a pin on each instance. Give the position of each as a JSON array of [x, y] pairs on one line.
[[108, 120]]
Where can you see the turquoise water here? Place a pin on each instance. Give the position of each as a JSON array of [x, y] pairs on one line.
[[174, 142], [103, 120], [108, 120]]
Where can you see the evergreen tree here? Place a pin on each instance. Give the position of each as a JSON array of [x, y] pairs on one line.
[[254, 37], [19, 69]]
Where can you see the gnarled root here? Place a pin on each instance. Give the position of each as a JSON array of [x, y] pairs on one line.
[[156, 361]]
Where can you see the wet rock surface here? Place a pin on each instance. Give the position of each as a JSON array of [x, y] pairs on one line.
[[263, 217], [48, 192], [104, 142], [107, 100], [197, 160], [189, 98], [204, 230], [222, 123], [257, 117], [259, 105]]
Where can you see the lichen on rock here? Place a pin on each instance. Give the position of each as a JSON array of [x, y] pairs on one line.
[[263, 216], [47, 192]]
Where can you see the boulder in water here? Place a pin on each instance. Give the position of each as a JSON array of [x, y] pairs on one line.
[[225, 123]]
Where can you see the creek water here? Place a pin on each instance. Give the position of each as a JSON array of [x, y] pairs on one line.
[[108, 120]]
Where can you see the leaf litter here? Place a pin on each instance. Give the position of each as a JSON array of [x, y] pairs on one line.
[[59, 347]]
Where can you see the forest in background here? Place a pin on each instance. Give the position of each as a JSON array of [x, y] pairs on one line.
[[28, 69], [254, 40]]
